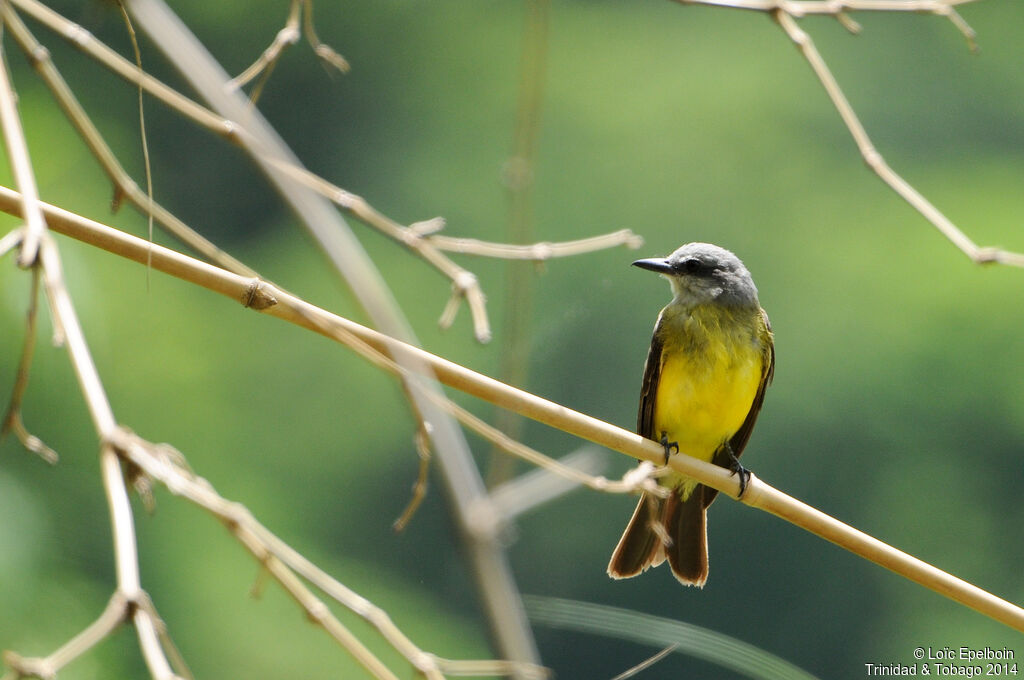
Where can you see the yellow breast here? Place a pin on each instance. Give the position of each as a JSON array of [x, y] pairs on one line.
[[711, 368]]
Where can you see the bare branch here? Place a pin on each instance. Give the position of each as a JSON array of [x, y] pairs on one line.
[[494, 579], [124, 185], [786, 12], [125, 550], [285, 565], [542, 251], [12, 419], [113, 616], [646, 663], [758, 493], [21, 167], [325, 52], [429, 248], [286, 37]]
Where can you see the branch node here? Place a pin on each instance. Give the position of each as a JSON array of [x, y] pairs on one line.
[[464, 281], [29, 667], [257, 296], [483, 522], [847, 22], [428, 227], [78, 35], [37, 55], [317, 612], [541, 251], [424, 662], [987, 255]]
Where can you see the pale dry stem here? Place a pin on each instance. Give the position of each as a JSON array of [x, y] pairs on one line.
[[12, 419], [646, 663], [786, 12], [758, 494], [118, 609], [21, 168], [286, 565], [429, 247], [419, 487], [124, 185], [147, 625], [286, 37]]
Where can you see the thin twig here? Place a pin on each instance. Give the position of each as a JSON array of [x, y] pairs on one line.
[[541, 251], [490, 565], [425, 245], [759, 494], [113, 616], [122, 524], [419, 487], [124, 185], [785, 12], [646, 663], [21, 167], [286, 37], [325, 52], [799, 8], [142, 124], [164, 464], [12, 419]]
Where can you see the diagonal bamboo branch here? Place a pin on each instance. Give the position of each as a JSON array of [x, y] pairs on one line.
[[759, 494]]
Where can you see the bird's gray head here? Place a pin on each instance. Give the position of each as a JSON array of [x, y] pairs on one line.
[[701, 273]]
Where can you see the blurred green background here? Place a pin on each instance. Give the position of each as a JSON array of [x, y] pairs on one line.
[[898, 402]]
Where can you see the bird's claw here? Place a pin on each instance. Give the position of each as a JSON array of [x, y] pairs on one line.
[[668, 446]]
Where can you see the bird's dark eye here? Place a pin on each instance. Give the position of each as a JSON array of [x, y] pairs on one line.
[[694, 267]]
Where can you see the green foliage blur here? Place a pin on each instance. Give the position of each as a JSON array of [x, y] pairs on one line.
[[898, 402]]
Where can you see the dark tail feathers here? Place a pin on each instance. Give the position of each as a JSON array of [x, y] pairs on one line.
[[684, 523]]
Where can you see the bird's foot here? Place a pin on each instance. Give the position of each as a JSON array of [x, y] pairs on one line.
[[668, 446], [737, 469]]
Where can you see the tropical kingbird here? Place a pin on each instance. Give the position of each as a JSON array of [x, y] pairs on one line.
[[712, 356]]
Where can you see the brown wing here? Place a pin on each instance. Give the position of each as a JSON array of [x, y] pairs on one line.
[[739, 440], [649, 388]]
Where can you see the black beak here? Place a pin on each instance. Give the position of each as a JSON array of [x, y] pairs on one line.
[[654, 264]]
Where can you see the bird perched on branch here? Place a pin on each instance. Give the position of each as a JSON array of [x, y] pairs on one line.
[[712, 356]]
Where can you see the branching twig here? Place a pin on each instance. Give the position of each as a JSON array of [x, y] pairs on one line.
[[125, 551], [421, 241], [287, 36], [117, 611], [21, 167], [494, 578], [286, 565], [759, 494], [12, 419], [786, 12], [124, 185]]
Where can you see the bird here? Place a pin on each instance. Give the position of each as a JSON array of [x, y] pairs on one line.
[[712, 356]]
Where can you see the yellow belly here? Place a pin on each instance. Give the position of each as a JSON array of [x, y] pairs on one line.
[[703, 399]]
